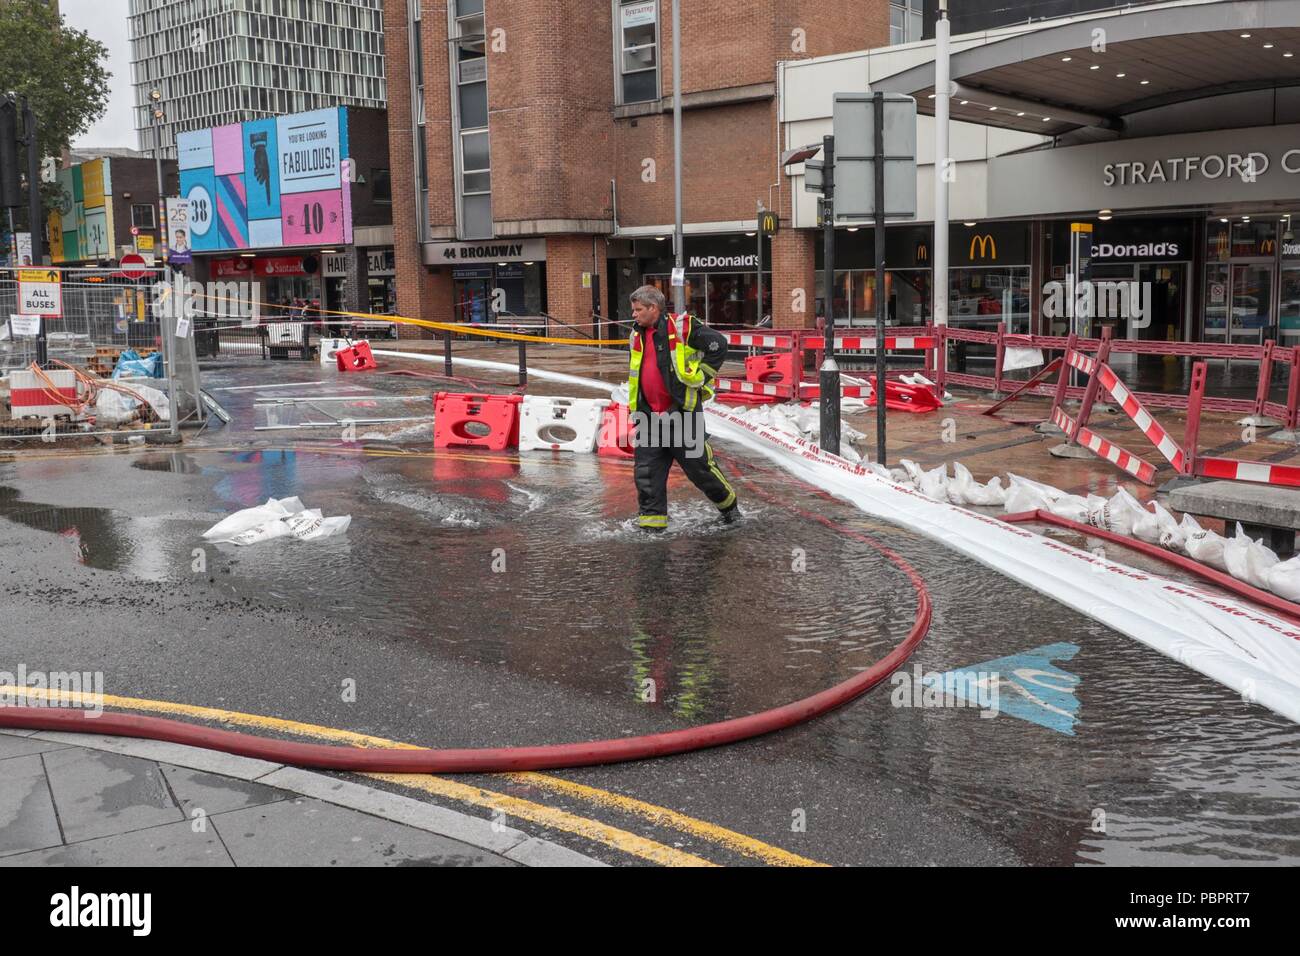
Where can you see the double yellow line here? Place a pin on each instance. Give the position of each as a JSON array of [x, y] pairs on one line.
[[549, 817]]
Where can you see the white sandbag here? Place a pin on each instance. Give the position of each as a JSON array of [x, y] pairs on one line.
[[1158, 526], [1202, 545], [1248, 560], [1047, 491], [311, 525], [965, 490], [1118, 514], [1284, 579], [249, 518], [1071, 507], [934, 483], [266, 531], [913, 471], [278, 518], [1024, 495], [901, 476], [114, 408], [1147, 527]]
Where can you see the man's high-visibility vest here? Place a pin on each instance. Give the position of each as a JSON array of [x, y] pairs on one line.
[[687, 365]]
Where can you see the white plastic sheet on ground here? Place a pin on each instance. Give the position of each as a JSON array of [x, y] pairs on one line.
[[1252, 651], [278, 518]]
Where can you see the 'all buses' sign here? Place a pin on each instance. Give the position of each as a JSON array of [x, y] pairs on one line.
[[39, 292]]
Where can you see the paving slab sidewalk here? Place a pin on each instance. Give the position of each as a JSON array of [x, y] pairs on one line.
[[90, 800]]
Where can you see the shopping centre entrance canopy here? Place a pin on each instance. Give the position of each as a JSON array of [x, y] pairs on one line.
[[1094, 71]]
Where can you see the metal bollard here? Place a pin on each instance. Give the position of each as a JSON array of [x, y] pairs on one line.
[[523, 361], [446, 351]]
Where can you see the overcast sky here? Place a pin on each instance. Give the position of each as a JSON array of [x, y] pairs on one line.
[[105, 20]]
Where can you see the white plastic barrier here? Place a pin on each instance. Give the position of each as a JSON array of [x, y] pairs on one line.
[[560, 424], [1252, 651]]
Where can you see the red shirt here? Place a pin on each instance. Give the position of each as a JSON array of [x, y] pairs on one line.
[[652, 380]]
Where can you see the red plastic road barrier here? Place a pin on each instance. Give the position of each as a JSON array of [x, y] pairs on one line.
[[777, 369], [743, 398], [1236, 470], [1139, 468], [615, 437], [500, 759], [356, 358], [476, 421], [1282, 606], [906, 398], [722, 385]]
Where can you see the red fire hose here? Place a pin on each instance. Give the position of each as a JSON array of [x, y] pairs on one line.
[[499, 759]]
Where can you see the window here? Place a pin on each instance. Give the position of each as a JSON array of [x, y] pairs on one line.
[[381, 182], [142, 215], [904, 21], [469, 75], [636, 26]]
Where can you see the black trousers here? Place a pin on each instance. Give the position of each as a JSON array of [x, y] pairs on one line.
[[693, 454]]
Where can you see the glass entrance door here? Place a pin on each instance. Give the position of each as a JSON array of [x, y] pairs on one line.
[[1252, 300]]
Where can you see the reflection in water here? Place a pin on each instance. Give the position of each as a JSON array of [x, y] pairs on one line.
[[93, 533]]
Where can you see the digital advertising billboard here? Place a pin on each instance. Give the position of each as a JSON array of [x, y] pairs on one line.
[[268, 183]]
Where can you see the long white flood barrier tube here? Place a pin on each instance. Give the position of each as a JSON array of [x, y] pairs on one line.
[[1248, 649]]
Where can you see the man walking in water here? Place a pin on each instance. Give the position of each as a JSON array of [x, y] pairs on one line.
[[674, 359]]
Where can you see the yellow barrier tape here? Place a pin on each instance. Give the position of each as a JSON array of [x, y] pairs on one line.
[[445, 326]]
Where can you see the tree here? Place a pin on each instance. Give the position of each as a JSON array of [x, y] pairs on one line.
[[60, 70]]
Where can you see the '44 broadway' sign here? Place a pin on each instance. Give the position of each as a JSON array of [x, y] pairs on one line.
[[495, 250]]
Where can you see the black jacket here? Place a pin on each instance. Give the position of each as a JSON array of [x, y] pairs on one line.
[[712, 346]]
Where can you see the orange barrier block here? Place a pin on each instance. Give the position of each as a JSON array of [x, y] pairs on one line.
[[356, 358], [615, 438], [777, 369], [476, 421], [906, 398]]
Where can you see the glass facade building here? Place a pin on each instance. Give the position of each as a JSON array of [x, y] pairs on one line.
[[217, 62]]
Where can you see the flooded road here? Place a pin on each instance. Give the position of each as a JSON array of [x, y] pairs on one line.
[[484, 599]]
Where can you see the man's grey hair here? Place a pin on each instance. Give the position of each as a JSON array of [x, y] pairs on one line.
[[649, 295]]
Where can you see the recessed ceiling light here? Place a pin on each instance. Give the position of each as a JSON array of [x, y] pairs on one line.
[[1066, 59], [968, 224], [1288, 54], [660, 238], [1020, 114], [1143, 82], [1046, 118], [1223, 220], [1245, 219], [1104, 215], [853, 228], [930, 97], [1245, 36], [1268, 46], [964, 102], [1095, 66], [1120, 76], [749, 234], [993, 109], [500, 263]]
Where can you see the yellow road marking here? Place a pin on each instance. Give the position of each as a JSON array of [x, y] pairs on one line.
[[662, 816], [541, 814]]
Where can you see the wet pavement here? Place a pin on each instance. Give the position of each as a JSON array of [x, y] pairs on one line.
[[484, 599]]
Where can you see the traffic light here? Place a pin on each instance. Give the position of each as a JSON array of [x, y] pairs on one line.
[[10, 191]]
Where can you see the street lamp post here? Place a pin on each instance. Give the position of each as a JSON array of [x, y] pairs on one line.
[[165, 325], [679, 291]]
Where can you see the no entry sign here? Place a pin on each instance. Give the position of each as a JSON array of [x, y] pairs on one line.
[[39, 292]]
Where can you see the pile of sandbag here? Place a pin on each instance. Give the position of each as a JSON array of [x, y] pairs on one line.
[[278, 518], [1240, 556], [801, 421]]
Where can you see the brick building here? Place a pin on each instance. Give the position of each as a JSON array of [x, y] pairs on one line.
[[532, 152]]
